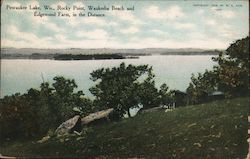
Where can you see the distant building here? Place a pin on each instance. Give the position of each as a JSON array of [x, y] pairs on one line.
[[179, 98]]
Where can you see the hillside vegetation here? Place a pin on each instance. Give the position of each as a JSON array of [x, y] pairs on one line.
[[213, 130]]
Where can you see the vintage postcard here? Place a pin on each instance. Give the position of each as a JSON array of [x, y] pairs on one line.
[[124, 79]]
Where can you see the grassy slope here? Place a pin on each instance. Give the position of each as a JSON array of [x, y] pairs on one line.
[[213, 130]]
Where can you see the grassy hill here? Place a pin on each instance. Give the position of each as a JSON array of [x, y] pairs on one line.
[[213, 130]]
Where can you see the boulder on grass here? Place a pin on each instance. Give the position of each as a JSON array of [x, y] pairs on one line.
[[96, 116], [69, 125]]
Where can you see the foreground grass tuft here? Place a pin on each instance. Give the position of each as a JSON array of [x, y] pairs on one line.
[[213, 130]]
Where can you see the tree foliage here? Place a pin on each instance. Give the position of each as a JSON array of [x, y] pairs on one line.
[[230, 76], [37, 111], [125, 87], [233, 69], [201, 86]]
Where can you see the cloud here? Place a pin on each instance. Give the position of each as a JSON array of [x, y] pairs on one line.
[[156, 31], [130, 30], [78, 4], [63, 42], [212, 28], [206, 43], [74, 21], [99, 38], [173, 12], [200, 12], [197, 36], [60, 37], [227, 31], [126, 16], [14, 31], [228, 14], [224, 30], [154, 12], [168, 43], [45, 22], [98, 34], [112, 24], [184, 25], [24, 39], [210, 22], [94, 21], [15, 43]]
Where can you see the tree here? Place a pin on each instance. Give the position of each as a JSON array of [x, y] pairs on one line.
[[230, 76], [35, 112], [148, 93], [165, 96], [201, 86], [233, 69], [14, 113], [124, 87], [64, 97]]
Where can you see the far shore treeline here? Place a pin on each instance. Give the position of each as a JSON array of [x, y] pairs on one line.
[[95, 54], [40, 110]]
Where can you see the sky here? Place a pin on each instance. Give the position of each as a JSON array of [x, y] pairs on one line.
[[152, 24]]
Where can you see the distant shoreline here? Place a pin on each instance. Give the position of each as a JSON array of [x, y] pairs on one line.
[[30, 53], [38, 56]]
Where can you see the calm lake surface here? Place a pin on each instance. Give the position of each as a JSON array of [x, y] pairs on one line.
[[20, 75]]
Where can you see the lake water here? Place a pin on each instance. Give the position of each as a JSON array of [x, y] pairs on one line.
[[20, 75]]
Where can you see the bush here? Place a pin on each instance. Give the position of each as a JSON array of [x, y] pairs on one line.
[[37, 111]]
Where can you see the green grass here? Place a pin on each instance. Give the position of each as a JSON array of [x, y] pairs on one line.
[[214, 130]]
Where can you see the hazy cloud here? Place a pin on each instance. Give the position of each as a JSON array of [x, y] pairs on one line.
[[172, 12]]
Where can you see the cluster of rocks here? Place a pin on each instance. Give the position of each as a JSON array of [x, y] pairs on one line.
[[77, 123]]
